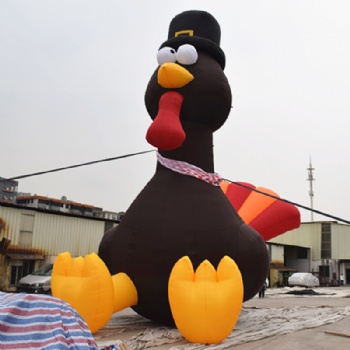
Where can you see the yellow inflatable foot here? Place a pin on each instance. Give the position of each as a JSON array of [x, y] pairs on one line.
[[86, 284], [205, 304], [125, 292]]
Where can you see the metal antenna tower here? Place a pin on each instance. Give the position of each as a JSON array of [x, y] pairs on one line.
[[310, 178]]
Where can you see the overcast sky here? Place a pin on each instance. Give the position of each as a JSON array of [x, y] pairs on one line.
[[73, 75]]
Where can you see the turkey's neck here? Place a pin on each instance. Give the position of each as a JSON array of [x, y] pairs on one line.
[[197, 148]]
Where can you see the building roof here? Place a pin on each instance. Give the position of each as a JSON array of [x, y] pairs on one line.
[[280, 267], [55, 212], [8, 180], [56, 201], [23, 256]]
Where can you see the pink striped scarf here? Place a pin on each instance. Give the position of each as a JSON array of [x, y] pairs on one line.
[[190, 170]]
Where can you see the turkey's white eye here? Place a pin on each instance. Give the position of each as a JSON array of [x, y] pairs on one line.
[[187, 54], [166, 55]]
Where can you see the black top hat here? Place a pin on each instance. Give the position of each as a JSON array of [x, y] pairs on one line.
[[198, 28]]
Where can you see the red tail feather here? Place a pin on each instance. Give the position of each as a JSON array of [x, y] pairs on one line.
[[268, 216]]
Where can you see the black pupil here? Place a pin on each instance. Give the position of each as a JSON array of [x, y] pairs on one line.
[[172, 51]]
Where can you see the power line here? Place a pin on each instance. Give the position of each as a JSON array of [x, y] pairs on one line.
[[290, 202], [78, 165], [143, 152]]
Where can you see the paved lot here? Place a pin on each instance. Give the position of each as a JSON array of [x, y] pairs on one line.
[[333, 335], [307, 339]]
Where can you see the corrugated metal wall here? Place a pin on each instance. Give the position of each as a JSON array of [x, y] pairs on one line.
[[277, 254], [340, 241], [11, 219], [51, 233], [307, 235], [56, 234]]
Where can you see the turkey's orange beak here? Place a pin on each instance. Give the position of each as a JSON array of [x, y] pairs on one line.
[[173, 76]]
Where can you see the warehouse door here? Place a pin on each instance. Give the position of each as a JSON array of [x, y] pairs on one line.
[[347, 277]]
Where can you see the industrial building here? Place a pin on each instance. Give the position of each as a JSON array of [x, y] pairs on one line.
[[8, 190], [32, 236], [322, 248], [35, 232]]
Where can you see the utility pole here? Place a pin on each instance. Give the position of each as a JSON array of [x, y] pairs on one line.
[[310, 178]]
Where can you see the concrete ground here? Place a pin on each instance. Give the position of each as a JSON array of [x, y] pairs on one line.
[[307, 339], [333, 335]]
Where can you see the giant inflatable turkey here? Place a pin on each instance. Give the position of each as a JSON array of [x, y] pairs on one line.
[[182, 255]]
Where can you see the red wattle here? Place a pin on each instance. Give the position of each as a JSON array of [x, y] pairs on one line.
[[166, 132]]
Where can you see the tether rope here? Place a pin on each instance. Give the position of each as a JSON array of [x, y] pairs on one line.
[[143, 152]]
